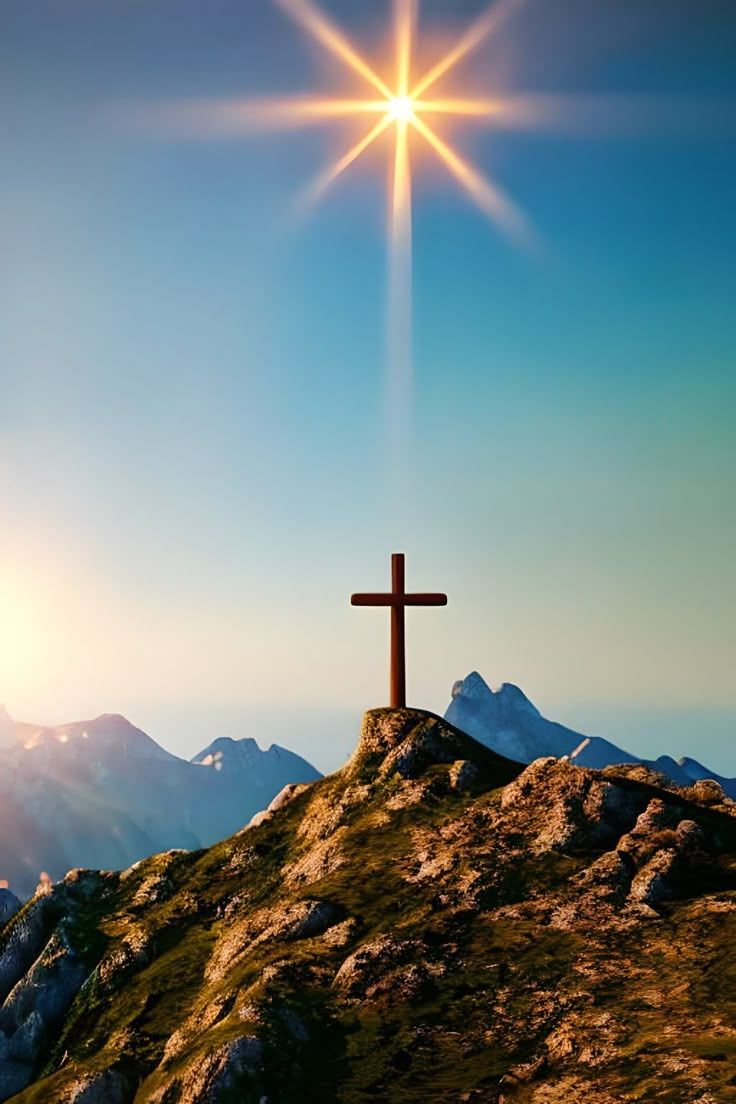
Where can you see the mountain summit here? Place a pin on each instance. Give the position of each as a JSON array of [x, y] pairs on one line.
[[506, 720], [433, 923]]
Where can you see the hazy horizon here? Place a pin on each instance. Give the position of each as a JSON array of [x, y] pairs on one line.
[[327, 737]]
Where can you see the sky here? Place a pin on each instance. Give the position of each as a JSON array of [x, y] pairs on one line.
[[194, 473]]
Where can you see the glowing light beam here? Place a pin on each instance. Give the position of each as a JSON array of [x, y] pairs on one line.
[[331, 174], [483, 28], [487, 196], [406, 20], [313, 20]]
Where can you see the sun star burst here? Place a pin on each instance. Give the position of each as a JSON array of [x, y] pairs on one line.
[[403, 106], [398, 102]]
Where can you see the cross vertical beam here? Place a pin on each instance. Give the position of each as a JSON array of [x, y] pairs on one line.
[[398, 632], [397, 601]]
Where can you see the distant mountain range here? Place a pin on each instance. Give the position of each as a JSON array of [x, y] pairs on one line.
[[103, 794], [507, 722]]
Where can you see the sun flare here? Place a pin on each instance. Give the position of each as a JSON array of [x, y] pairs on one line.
[[402, 107], [399, 105]]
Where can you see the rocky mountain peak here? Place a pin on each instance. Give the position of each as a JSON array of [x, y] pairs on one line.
[[410, 741], [513, 697], [569, 923], [224, 749], [473, 686]]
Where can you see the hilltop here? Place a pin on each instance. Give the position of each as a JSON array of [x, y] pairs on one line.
[[433, 922]]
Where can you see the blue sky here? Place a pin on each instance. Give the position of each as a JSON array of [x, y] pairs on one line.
[[193, 475]]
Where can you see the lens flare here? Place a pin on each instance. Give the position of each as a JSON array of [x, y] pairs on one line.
[[399, 105]]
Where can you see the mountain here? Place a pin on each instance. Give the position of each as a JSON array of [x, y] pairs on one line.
[[433, 923], [243, 759], [506, 721], [103, 794]]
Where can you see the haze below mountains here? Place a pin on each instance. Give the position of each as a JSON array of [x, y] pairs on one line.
[[102, 794]]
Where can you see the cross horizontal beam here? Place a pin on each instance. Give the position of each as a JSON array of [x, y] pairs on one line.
[[398, 600]]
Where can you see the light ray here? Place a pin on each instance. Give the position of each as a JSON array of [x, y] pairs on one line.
[[405, 18], [320, 186], [487, 196], [476, 108], [309, 16], [488, 23], [399, 361], [220, 118]]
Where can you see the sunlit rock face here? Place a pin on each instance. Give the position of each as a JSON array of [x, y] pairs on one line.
[[506, 721], [103, 794], [432, 922]]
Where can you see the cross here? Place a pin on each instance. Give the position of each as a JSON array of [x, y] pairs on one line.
[[398, 600]]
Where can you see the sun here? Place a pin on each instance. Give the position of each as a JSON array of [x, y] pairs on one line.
[[401, 109]]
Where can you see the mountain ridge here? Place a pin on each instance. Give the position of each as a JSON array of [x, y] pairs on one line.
[[507, 721]]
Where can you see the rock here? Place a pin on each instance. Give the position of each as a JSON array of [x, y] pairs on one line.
[[91, 884], [690, 837], [220, 1076], [24, 943], [655, 817], [706, 791], [47, 989], [383, 730], [157, 887], [110, 1087], [313, 918], [259, 818], [133, 951], [28, 1041], [462, 775], [361, 970], [653, 883], [523, 788], [286, 795]]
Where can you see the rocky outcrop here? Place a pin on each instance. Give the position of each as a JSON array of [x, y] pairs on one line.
[[431, 923], [43, 966]]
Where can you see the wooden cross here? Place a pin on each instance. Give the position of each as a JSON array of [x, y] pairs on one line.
[[398, 600]]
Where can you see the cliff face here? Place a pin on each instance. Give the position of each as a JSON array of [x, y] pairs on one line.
[[431, 923]]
